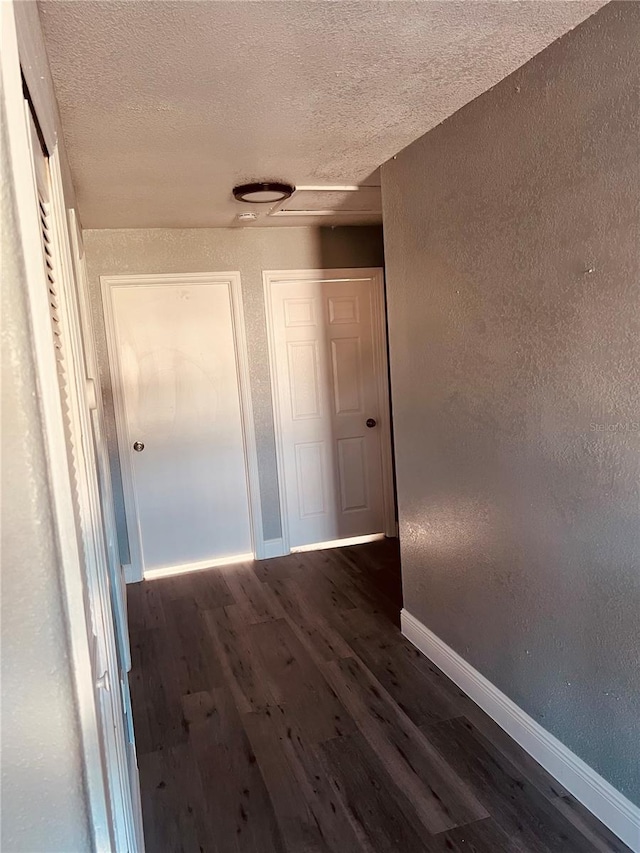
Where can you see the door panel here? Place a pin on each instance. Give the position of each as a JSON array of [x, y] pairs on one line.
[[310, 470], [347, 375], [352, 471], [304, 379], [325, 335], [180, 390]]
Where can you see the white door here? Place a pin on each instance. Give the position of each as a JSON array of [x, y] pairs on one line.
[[329, 372], [177, 393]]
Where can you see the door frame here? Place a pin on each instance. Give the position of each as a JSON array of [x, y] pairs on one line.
[[96, 404], [134, 571], [381, 364]]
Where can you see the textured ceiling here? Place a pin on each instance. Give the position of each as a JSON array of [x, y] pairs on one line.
[[166, 105]]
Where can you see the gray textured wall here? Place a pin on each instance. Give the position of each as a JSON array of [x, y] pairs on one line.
[[43, 798], [249, 250], [511, 365]]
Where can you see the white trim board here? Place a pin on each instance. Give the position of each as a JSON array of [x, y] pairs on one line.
[[610, 806], [339, 543], [35, 69], [200, 566]]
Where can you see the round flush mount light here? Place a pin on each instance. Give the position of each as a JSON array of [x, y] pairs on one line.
[[266, 192]]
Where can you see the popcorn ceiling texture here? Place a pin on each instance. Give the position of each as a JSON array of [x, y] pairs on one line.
[[166, 105], [513, 281], [249, 250]]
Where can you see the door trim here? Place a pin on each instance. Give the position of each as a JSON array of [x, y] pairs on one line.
[[108, 284], [103, 475], [381, 362]]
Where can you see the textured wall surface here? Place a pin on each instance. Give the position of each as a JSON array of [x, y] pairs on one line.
[[43, 803], [166, 105], [515, 378], [119, 252]]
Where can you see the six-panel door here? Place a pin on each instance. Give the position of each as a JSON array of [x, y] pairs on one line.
[[327, 386]]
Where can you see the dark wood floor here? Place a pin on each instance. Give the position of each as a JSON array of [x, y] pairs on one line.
[[278, 708]]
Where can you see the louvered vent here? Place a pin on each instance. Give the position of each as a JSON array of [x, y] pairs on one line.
[[56, 312], [55, 306], [54, 303]]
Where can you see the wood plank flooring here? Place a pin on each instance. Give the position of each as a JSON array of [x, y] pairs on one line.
[[278, 709]]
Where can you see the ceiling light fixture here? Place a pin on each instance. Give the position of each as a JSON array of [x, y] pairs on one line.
[[264, 192]]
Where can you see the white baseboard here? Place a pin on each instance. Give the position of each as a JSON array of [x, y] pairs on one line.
[[338, 543], [269, 548], [199, 566], [595, 793]]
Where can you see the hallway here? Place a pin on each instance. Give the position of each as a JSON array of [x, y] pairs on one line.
[[277, 707]]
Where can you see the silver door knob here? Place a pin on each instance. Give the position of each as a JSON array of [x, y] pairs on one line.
[[138, 446], [371, 422]]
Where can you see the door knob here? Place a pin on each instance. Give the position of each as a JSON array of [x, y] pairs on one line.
[[138, 446], [371, 422]]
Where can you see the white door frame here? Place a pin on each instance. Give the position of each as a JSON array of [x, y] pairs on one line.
[[103, 474], [381, 365], [134, 572]]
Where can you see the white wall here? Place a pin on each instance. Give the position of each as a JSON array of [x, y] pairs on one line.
[[43, 796]]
